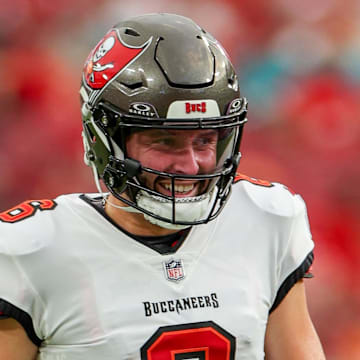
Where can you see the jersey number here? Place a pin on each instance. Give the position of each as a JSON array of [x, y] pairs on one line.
[[195, 341], [26, 209]]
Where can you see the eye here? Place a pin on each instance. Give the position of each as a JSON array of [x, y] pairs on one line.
[[166, 141], [206, 141]]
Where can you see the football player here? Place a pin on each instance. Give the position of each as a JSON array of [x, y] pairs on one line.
[[180, 257]]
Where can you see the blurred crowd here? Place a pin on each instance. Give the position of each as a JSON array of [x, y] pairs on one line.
[[298, 65]]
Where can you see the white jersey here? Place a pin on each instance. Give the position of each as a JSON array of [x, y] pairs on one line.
[[84, 290]]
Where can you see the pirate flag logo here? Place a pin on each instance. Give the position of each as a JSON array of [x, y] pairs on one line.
[[110, 56]]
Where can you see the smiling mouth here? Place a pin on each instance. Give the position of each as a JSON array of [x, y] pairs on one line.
[[180, 190]]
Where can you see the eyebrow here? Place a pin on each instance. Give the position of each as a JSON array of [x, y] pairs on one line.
[[158, 132]]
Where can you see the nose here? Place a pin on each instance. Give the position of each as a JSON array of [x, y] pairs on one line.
[[185, 162]]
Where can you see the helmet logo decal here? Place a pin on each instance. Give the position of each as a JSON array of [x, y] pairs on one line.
[[188, 109], [110, 56], [235, 106], [143, 109], [104, 48], [199, 107]]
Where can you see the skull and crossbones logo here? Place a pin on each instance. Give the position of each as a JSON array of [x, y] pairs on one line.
[[103, 49]]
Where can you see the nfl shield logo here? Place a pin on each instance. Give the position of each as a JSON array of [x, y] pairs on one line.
[[174, 270]]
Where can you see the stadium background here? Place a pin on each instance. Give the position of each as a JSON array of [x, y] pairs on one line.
[[298, 64]]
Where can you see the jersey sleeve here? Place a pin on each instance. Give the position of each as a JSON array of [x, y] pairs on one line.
[[296, 256], [18, 300]]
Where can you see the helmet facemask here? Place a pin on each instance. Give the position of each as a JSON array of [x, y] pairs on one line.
[[125, 176]]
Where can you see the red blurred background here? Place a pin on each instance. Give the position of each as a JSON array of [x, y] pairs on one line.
[[298, 65]]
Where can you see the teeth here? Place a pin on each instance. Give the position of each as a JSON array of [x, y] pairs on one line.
[[180, 188]]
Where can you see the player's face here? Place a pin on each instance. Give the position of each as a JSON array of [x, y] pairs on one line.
[[183, 152]]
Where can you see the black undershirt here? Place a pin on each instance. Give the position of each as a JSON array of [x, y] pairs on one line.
[[167, 244]]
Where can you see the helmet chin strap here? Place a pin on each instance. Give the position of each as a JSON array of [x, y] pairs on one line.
[[186, 209], [125, 208]]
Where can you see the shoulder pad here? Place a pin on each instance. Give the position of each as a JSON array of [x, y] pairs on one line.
[[26, 237], [29, 226], [270, 197]]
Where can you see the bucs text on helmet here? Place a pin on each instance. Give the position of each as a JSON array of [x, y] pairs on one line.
[[160, 71]]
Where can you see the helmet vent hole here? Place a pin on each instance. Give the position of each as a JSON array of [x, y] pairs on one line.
[[199, 37], [131, 32], [133, 86]]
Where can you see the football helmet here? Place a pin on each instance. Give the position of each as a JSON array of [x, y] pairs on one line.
[[160, 71]]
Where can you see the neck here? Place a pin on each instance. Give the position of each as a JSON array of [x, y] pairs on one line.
[[134, 223]]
